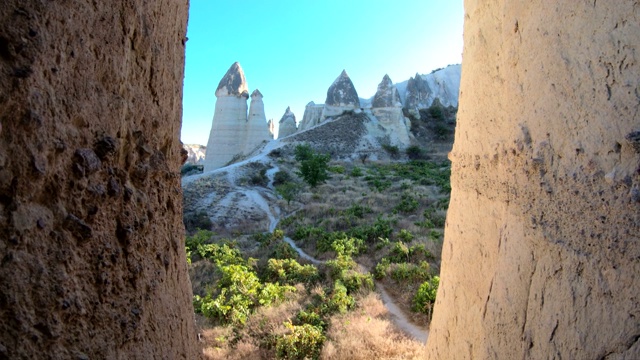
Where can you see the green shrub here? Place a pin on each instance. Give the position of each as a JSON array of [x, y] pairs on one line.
[[356, 172], [289, 191], [407, 204], [426, 296], [393, 150], [348, 246], [195, 221], [381, 269], [399, 252], [260, 178], [302, 342], [405, 235], [355, 281], [311, 318], [340, 301], [289, 271], [303, 152], [358, 211], [281, 177], [283, 250], [338, 169], [414, 152]]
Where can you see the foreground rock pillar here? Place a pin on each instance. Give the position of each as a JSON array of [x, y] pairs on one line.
[[541, 256], [92, 259]]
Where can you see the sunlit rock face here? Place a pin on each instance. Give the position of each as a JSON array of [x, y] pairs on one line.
[[257, 128], [91, 235], [341, 96], [387, 108], [287, 125], [312, 116], [541, 252]]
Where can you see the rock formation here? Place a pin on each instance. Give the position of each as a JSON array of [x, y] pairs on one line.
[[91, 235], [418, 95], [195, 153], [341, 96], [542, 246], [257, 128], [228, 128], [287, 124], [312, 116], [387, 108], [232, 132]]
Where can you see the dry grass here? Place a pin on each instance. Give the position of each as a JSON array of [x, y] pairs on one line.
[[367, 333]]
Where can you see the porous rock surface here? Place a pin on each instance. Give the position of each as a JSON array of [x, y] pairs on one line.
[[91, 235], [542, 243]]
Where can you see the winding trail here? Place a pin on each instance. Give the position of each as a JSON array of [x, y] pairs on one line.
[[397, 315]]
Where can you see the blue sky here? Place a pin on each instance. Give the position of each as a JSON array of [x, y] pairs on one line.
[[293, 50]]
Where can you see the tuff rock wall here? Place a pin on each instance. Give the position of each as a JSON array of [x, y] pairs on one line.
[[542, 243], [91, 238]]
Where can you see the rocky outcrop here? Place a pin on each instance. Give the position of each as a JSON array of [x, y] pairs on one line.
[[91, 236], [341, 96], [387, 109], [232, 132], [195, 153], [418, 95], [541, 251], [257, 128], [442, 84], [287, 125], [312, 116]]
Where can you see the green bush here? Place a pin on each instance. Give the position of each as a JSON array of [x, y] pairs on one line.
[[313, 169], [407, 204], [311, 318], [405, 235], [399, 252], [355, 281], [260, 178], [414, 152], [283, 250], [289, 191], [426, 296], [289, 271], [381, 269], [340, 301], [356, 172], [338, 169], [303, 152], [194, 221], [392, 150], [281, 177], [302, 342], [358, 211]]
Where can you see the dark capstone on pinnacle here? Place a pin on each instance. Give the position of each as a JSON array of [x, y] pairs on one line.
[[234, 82], [342, 92]]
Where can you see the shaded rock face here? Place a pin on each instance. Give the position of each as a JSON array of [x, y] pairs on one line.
[[544, 213], [312, 116], [287, 124], [387, 95], [92, 242], [418, 95], [341, 96]]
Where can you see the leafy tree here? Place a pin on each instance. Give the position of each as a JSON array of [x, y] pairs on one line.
[[313, 166], [288, 191]]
